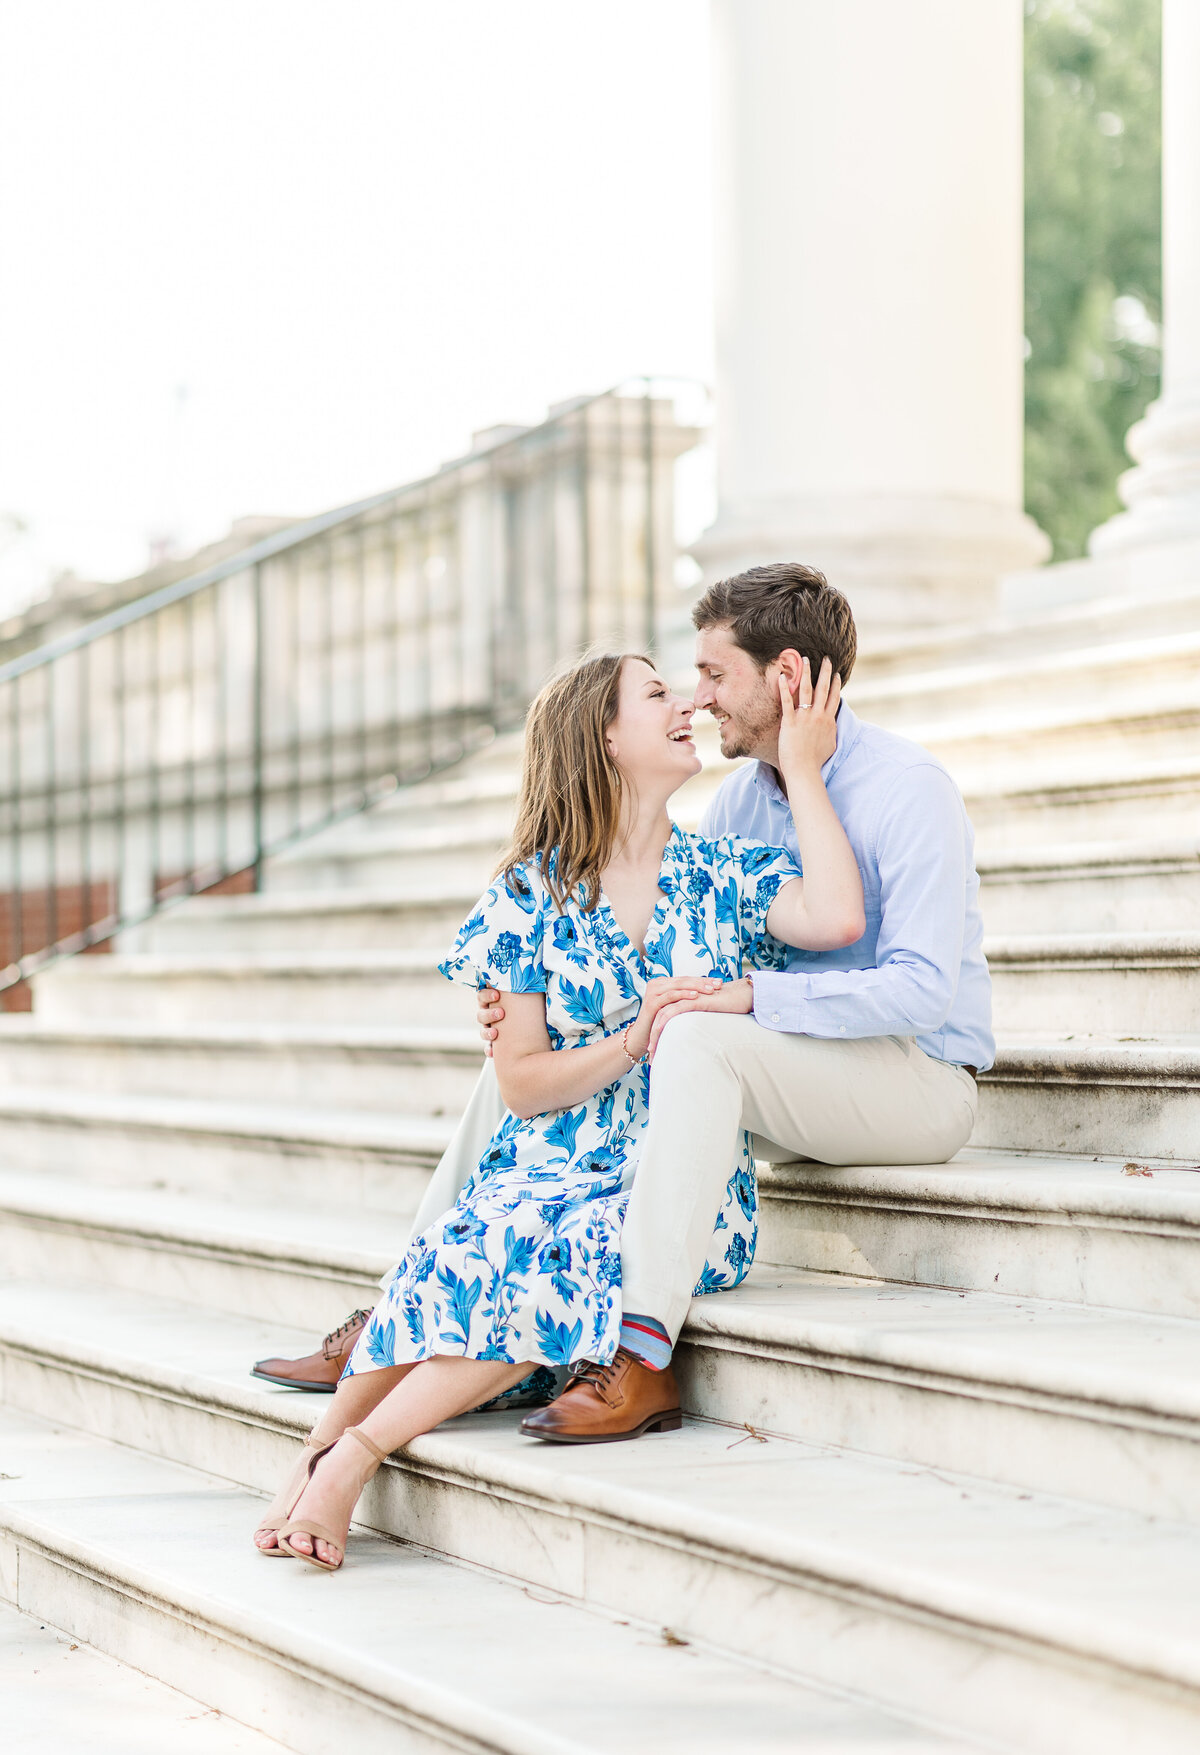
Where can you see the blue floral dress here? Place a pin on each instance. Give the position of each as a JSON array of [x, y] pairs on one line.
[[527, 1263]]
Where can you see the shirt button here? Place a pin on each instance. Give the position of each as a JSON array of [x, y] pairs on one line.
[[774, 1017], [841, 1029]]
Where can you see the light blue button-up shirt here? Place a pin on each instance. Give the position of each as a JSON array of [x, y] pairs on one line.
[[919, 969]]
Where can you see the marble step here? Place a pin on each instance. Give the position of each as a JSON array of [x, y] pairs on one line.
[[397, 852], [1064, 741], [1037, 1623], [283, 1263], [1113, 619], [1098, 1403], [452, 836], [1083, 1094], [332, 986], [1135, 800], [241, 1152], [419, 1071], [1152, 668], [1108, 886], [1075, 1093], [1052, 1227], [148, 1560], [313, 920], [61, 1697], [1078, 1230], [1075, 1230], [1136, 983]]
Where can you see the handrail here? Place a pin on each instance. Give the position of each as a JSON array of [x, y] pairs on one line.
[[177, 743], [270, 546], [165, 595]]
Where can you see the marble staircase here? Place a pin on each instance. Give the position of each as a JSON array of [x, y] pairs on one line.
[[938, 1489]]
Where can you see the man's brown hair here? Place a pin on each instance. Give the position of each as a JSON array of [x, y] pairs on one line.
[[786, 605]]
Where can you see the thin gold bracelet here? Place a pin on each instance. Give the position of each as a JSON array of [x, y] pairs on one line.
[[625, 1046]]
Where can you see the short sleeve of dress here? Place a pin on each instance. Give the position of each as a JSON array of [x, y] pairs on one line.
[[500, 942], [752, 874]]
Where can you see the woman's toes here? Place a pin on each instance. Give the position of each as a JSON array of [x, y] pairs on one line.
[[301, 1542], [265, 1539], [328, 1553]]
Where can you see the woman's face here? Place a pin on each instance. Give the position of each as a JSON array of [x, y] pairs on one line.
[[651, 737]]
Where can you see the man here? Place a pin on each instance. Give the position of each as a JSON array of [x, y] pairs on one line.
[[863, 1055]]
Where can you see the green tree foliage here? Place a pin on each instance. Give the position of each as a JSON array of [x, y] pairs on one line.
[[1093, 279]]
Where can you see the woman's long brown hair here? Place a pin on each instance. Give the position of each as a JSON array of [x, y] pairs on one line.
[[571, 788]]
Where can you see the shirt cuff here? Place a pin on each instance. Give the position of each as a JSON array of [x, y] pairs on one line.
[[779, 1000]]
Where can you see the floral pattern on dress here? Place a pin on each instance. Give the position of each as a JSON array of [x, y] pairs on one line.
[[527, 1263]]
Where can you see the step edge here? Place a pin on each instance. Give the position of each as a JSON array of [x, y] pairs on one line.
[[893, 1588]]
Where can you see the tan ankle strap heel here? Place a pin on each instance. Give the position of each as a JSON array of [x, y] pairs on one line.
[[380, 1456], [368, 1466]]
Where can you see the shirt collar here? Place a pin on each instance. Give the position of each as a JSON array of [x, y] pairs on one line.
[[849, 727]]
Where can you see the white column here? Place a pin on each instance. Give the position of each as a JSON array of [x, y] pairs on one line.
[[1163, 492], [869, 298]]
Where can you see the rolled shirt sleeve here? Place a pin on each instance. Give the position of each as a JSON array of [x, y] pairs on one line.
[[922, 856]]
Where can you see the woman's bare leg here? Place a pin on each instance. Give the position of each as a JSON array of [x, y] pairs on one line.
[[433, 1391], [353, 1399]]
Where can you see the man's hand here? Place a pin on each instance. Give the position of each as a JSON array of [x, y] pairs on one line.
[[808, 724], [489, 1013], [730, 996]]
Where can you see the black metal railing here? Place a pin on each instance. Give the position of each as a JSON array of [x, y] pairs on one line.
[[174, 745]]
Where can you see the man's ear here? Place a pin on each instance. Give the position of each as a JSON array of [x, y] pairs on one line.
[[791, 664]]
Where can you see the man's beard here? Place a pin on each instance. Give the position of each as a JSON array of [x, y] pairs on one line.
[[755, 726]]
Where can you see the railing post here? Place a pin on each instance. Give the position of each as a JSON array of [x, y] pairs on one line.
[[51, 813], [260, 651], [648, 457], [18, 873], [585, 527], [85, 791]]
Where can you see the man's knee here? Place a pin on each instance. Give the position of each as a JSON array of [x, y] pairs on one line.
[[696, 1036]]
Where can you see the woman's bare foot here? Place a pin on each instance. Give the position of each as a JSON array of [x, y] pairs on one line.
[[329, 1499]]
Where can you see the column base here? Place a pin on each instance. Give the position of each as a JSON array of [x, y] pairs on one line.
[[1163, 492], [901, 560]]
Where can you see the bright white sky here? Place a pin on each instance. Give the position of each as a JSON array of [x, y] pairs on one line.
[[272, 255]]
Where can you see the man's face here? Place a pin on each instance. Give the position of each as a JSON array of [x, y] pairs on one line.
[[742, 699]]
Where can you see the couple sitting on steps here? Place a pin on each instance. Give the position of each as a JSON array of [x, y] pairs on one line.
[[655, 999]]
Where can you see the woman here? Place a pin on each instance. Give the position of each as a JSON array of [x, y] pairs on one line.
[[604, 914]]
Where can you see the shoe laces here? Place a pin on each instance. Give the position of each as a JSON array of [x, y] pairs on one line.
[[352, 1321], [600, 1376]]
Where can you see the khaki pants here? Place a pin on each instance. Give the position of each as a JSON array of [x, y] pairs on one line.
[[878, 1100]]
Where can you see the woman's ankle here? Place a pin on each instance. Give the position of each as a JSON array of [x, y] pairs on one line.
[[326, 1431]]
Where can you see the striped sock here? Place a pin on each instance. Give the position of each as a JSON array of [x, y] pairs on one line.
[[648, 1340]]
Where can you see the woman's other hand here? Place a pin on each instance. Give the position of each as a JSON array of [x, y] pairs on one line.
[[724, 996], [808, 726], [661, 992]]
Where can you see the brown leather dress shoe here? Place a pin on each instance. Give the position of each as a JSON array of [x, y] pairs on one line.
[[609, 1402], [320, 1370]]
